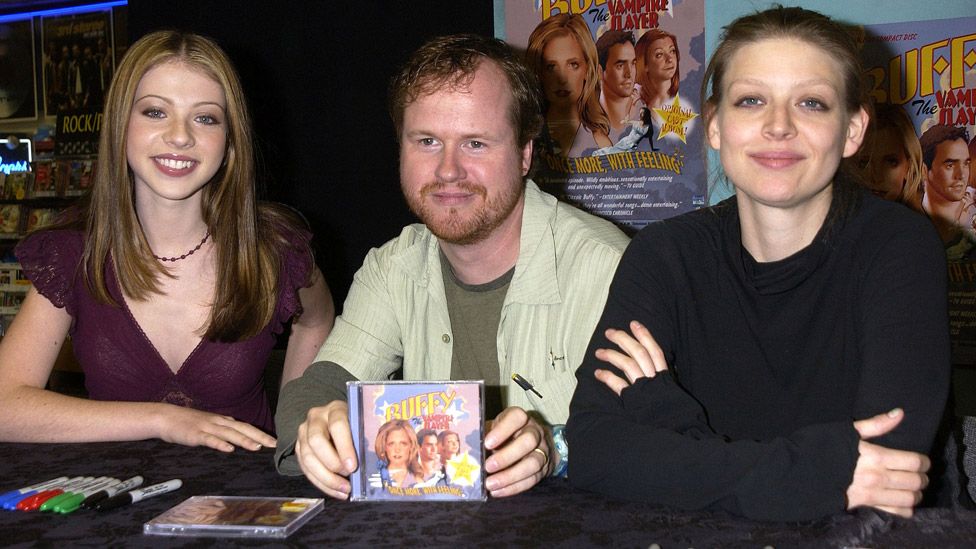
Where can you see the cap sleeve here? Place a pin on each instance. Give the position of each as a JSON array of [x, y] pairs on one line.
[[50, 261], [296, 270]]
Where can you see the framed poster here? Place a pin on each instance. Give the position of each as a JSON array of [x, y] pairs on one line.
[[78, 60], [18, 94]]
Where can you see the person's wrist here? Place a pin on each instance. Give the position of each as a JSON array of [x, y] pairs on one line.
[[560, 464], [158, 420]]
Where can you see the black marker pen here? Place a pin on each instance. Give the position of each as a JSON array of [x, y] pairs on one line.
[[139, 494], [524, 384], [90, 501]]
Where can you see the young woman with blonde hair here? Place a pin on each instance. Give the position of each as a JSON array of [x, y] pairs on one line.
[[563, 55]]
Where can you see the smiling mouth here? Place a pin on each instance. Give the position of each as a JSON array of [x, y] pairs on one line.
[[777, 159], [174, 164], [452, 195]]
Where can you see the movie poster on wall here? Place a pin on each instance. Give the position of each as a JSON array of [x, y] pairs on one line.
[[18, 96], [623, 131], [77, 61], [922, 76]]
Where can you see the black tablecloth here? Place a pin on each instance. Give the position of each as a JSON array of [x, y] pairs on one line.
[[552, 514]]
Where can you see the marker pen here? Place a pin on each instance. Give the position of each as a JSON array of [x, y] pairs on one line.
[[50, 504], [71, 503], [109, 491], [525, 385], [21, 493], [33, 502], [139, 494]]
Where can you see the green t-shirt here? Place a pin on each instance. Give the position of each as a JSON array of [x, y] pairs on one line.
[[475, 312]]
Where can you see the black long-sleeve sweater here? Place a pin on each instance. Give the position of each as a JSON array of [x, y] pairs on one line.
[[770, 363]]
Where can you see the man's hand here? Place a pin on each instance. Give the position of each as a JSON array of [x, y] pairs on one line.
[[890, 480], [324, 449], [520, 453]]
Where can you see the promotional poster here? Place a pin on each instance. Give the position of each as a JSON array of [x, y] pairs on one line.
[[620, 80], [922, 77], [77, 61], [18, 99], [418, 440]]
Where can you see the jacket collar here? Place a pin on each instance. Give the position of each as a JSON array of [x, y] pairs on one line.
[[534, 281]]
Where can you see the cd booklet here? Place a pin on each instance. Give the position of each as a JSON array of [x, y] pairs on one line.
[[235, 517], [418, 441]]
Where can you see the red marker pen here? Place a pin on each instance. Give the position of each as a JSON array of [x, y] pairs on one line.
[[33, 502]]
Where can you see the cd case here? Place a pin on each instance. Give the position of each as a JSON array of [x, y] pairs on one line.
[[235, 517], [417, 441]]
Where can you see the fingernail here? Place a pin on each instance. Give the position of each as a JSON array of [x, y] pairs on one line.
[[350, 467], [491, 484], [895, 413], [489, 442], [636, 324]]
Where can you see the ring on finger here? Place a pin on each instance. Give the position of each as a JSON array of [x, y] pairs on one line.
[[545, 457]]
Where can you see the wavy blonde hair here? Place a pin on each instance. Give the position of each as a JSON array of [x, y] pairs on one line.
[[564, 24], [870, 161], [413, 464]]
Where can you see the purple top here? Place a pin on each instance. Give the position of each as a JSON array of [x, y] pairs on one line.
[[119, 361]]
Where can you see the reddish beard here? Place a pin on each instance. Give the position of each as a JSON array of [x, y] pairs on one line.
[[456, 228]]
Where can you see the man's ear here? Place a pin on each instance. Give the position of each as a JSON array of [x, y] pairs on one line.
[[526, 158]]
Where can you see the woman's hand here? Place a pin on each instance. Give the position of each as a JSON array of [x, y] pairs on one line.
[[884, 478], [639, 356], [191, 427]]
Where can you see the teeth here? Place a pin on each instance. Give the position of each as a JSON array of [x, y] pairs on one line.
[[175, 164]]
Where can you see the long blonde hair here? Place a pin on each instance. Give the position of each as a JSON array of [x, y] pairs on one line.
[[563, 24], [247, 236], [870, 161], [413, 465]]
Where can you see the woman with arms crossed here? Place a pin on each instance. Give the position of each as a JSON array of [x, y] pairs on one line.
[[171, 279], [783, 355]]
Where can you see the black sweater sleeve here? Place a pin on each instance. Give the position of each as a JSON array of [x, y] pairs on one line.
[[654, 442], [904, 339]]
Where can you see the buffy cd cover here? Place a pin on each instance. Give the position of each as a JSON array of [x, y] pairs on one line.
[[418, 441]]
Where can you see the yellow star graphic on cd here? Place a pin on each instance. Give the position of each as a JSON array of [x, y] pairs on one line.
[[674, 119], [461, 468]]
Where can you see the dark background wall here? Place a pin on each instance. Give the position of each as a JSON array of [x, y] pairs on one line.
[[316, 75]]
